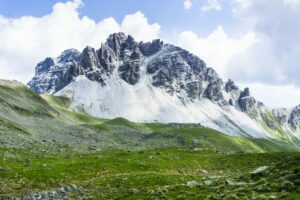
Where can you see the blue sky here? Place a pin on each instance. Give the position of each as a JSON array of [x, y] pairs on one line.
[[256, 43], [170, 14]]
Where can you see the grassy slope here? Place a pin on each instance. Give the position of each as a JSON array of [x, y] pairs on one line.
[[153, 174], [110, 158]]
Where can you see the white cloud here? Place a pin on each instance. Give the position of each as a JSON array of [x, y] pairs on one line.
[[138, 26], [217, 49], [27, 40], [292, 3], [187, 4], [212, 5], [274, 59]]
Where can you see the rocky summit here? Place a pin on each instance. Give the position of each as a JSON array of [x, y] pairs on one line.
[[156, 81]]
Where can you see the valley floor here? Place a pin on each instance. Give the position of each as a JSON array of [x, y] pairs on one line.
[[169, 173]]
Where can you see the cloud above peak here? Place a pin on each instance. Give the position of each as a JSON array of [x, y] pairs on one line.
[[274, 58], [187, 4], [211, 5], [27, 40], [217, 49]]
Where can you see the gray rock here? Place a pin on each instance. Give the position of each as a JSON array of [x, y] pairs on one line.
[[68, 189], [230, 86], [134, 190], [89, 59], [246, 101], [294, 118], [213, 91], [191, 184], [74, 187], [130, 72], [150, 48], [208, 182], [261, 171], [194, 89], [61, 190]]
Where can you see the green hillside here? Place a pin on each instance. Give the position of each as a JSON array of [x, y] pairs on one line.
[[46, 146]]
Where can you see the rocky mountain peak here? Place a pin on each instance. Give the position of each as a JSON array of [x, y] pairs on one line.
[[150, 48], [69, 55], [44, 66], [156, 66], [231, 86], [171, 68], [247, 102]]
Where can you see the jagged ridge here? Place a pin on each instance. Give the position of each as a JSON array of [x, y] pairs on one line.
[[169, 68]]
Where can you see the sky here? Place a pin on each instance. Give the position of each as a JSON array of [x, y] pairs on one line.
[[255, 43]]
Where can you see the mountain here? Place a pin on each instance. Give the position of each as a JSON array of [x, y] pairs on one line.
[[159, 82], [30, 120]]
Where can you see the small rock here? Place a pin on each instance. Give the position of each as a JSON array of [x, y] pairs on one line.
[[61, 190], [191, 184], [44, 194], [68, 189], [203, 171], [208, 182], [134, 190], [233, 183], [261, 171], [92, 148], [74, 187]]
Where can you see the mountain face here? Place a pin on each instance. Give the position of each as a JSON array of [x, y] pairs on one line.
[[155, 81]]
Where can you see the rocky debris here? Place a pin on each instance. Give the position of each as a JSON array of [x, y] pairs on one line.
[[261, 171], [54, 194]]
